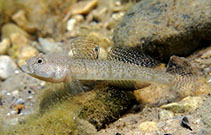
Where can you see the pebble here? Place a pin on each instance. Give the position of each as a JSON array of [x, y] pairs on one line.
[[20, 18], [187, 104], [18, 42], [48, 45], [99, 39], [185, 123], [164, 114], [71, 23], [83, 7], [10, 28], [25, 53], [98, 14], [113, 21], [19, 101], [154, 94], [148, 126], [19, 105], [7, 67], [4, 46]]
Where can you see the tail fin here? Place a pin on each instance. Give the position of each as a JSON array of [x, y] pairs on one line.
[[187, 76], [181, 66]]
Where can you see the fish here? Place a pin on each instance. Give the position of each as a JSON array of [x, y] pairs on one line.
[[58, 67]]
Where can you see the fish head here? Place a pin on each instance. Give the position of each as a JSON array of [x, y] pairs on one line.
[[49, 67]]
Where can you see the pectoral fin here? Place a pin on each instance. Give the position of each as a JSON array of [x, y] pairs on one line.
[[73, 84]]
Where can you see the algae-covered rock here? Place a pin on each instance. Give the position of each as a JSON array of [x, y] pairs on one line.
[[62, 113], [107, 105], [162, 28], [59, 120]]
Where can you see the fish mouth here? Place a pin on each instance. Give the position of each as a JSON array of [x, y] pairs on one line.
[[25, 68]]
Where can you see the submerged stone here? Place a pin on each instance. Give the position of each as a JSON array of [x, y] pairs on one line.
[[7, 67], [163, 28]]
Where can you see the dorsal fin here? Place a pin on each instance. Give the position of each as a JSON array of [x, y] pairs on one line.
[[132, 55]]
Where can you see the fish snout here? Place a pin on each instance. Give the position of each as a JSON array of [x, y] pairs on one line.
[[25, 68]]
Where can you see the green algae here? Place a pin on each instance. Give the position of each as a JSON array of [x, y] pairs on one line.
[[61, 113], [59, 120]]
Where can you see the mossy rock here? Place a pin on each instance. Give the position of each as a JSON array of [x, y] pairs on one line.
[[106, 105]]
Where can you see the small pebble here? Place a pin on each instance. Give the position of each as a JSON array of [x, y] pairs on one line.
[[71, 23], [19, 105], [47, 46], [185, 105], [83, 7], [9, 29], [25, 53], [148, 126], [19, 101], [4, 46], [21, 20], [185, 123], [19, 40]]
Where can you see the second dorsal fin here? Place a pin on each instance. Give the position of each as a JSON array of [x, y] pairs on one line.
[[133, 56]]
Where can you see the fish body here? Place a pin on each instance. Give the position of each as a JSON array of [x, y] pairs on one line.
[[57, 67]]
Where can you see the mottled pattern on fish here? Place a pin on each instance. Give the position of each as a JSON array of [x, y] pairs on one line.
[[132, 55]]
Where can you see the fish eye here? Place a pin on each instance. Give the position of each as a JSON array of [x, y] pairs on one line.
[[39, 60]]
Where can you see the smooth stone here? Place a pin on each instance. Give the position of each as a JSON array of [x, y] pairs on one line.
[[99, 39], [83, 7], [155, 94], [48, 45], [187, 104], [7, 67], [20, 18], [10, 28], [71, 23], [25, 53], [148, 126], [163, 28], [19, 40], [4, 46]]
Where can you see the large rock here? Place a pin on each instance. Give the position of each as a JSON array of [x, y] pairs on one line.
[[163, 28]]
